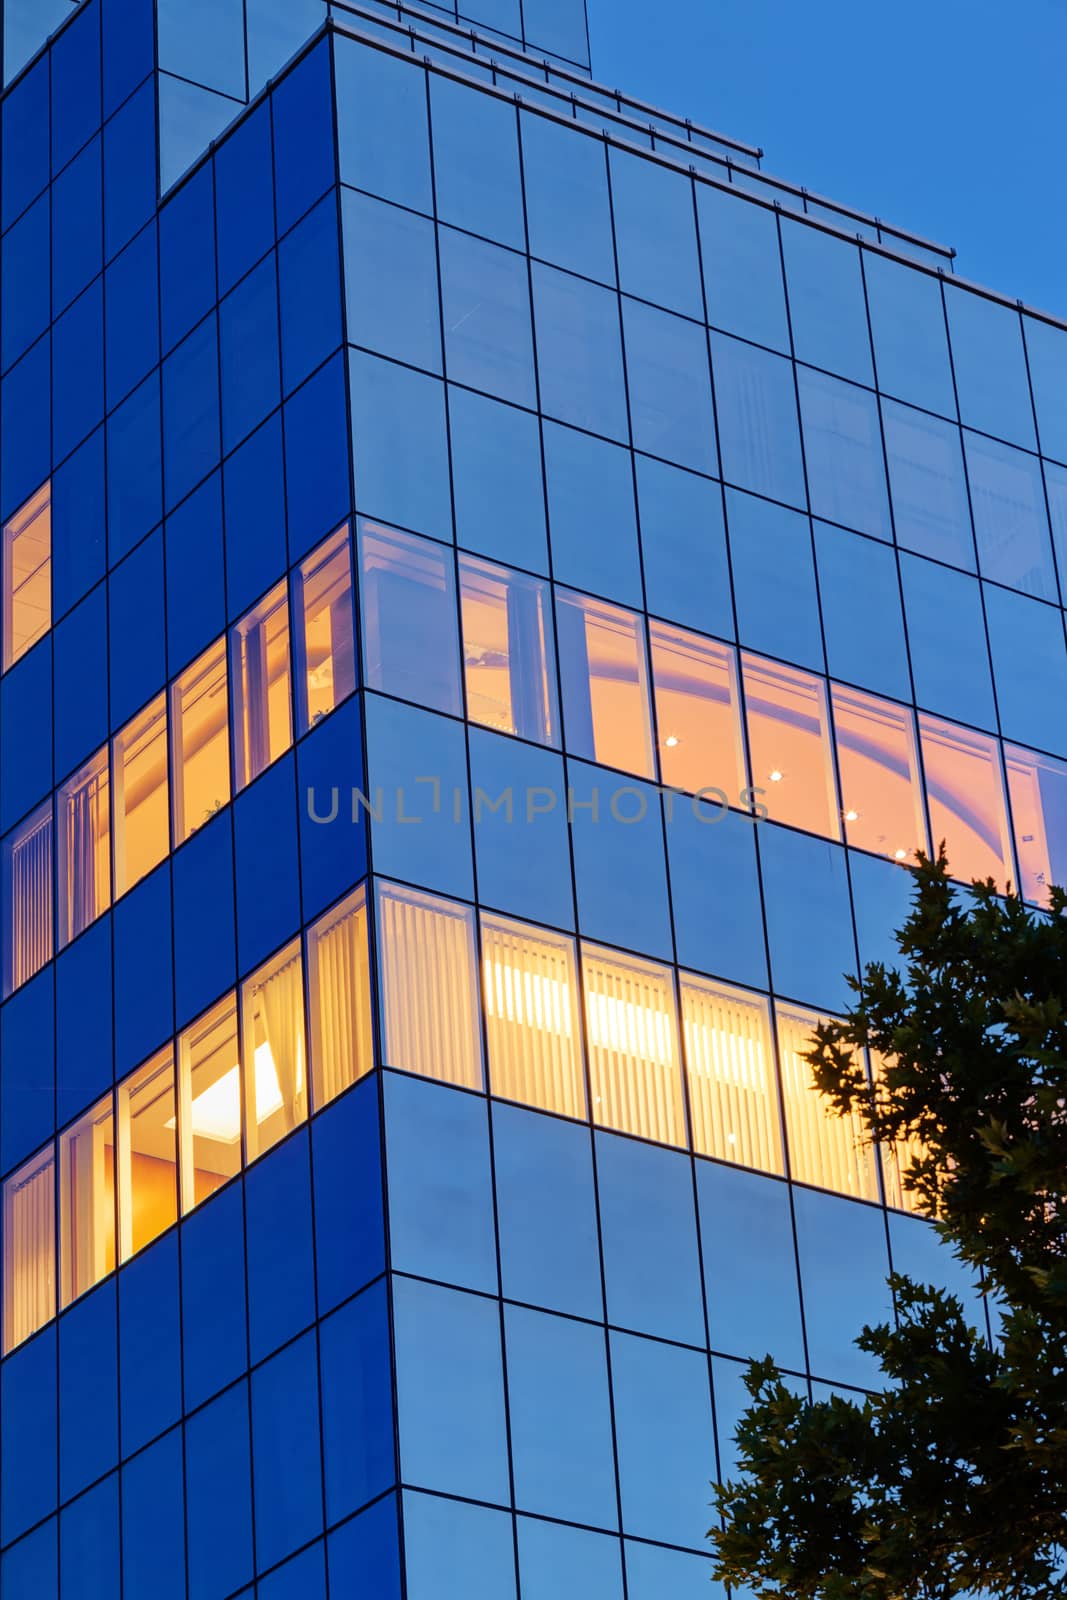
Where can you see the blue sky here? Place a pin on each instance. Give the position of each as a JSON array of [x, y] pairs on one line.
[[946, 118]]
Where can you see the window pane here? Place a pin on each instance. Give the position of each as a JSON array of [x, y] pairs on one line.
[[209, 1101], [843, 446], [27, 898], [27, 576], [87, 1201], [634, 1063], [789, 745], [896, 1160], [733, 1095], [605, 683], [139, 763], [928, 485], [200, 744], [259, 674], [696, 712], [409, 617], [1010, 519], [966, 799], [531, 990], [326, 653], [342, 1047], [83, 822], [148, 1154], [824, 1149], [508, 655], [880, 794], [1037, 788], [275, 1069], [429, 987], [29, 1248]]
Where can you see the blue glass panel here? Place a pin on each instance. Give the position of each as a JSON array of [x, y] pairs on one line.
[[25, 300], [205, 960], [774, 580], [843, 1267], [497, 479], [649, 1238], [683, 544], [254, 503], [357, 1403], [653, 1571], [244, 193], [132, 315], [150, 1370], [579, 353], [947, 643], [187, 255], [309, 286], [524, 863], [219, 1495], [750, 1268], [346, 1171], [333, 856], [476, 162], [78, 533], [450, 1391], [1010, 520], [25, 426], [302, 1578], [486, 305], [619, 869], [1029, 668], [129, 49], [455, 1551], [670, 392], [278, 1240], [137, 629], [742, 267], [366, 1551], [79, 664], [191, 411], [267, 863], [27, 1069], [1046, 348], [547, 1212], [655, 233], [930, 507], [144, 971], [920, 1254], [881, 900], [843, 445], [759, 433], [286, 1451], [399, 445], [862, 614], [404, 744], [129, 169], [190, 120], [25, 734], [88, 1391], [77, 225], [193, 551], [214, 1331], [153, 1522], [826, 301], [89, 1544], [440, 1184], [665, 1439], [707, 845], [28, 1434], [910, 337], [76, 86], [24, 142], [84, 1065], [382, 128], [249, 360], [204, 40], [567, 206], [557, 26], [302, 109], [391, 292], [990, 364], [317, 492], [809, 926], [31, 1567], [561, 1563], [77, 372], [591, 514]]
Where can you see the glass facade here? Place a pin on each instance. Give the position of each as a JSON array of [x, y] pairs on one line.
[[494, 585]]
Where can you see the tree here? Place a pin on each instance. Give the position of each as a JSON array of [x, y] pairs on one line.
[[953, 1479]]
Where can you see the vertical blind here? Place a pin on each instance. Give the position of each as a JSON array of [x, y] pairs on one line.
[[30, 1248], [532, 1023], [429, 994], [339, 972], [733, 1093], [824, 1149], [634, 1060]]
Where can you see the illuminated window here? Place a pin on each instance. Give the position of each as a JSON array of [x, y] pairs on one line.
[[1037, 788], [274, 1053], [532, 1019], [209, 1100], [259, 678], [733, 1093], [83, 824], [966, 798], [824, 1149], [342, 1047], [27, 576], [634, 1062], [605, 683], [200, 742], [29, 1249], [325, 638], [410, 627], [508, 657], [148, 1154], [142, 810], [896, 1160], [881, 797], [788, 742], [429, 986], [27, 898], [695, 681], [87, 1201]]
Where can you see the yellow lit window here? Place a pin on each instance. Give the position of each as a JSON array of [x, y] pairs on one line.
[[148, 1154], [881, 797], [605, 683], [139, 788], [824, 1149], [200, 742], [965, 794], [27, 898], [733, 1091], [634, 1061], [326, 660], [410, 632], [273, 1050], [339, 987], [508, 657], [532, 1018], [259, 682], [696, 710], [87, 1201], [1037, 786], [29, 1249], [209, 1100], [83, 824], [429, 986], [27, 576], [788, 741]]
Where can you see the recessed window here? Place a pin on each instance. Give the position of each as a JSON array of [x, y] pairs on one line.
[[429, 986], [699, 725], [27, 576], [635, 1069], [965, 793], [410, 627], [259, 678], [789, 745], [342, 1048], [1037, 786], [325, 638], [824, 1149], [881, 797], [508, 657], [29, 1248], [209, 1098], [605, 683], [733, 1091], [533, 1021], [27, 898], [83, 825], [148, 1154], [274, 1054], [139, 788], [87, 1201], [200, 741]]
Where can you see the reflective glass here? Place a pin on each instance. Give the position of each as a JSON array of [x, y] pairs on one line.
[[862, 611], [87, 1201], [148, 1154], [1010, 521], [532, 1017], [824, 1149], [605, 683], [29, 1223], [910, 337], [927, 482], [881, 796], [209, 1103], [408, 602], [579, 353], [200, 743], [990, 366], [429, 986], [826, 301], [1037, 789], [83, 825], [789, 745], [391, 291], [486, 305], [733, 1091], [843, 447], [758, 428], [259, 686], [325, 650], [773, 566], [750, 1268], [140, 795], [947, 642], [592, 515], [476, 161], [634, 1061], [655, 233], [697, 715], [509, 659], [26, 890], [965, 794], [1046, 348], [27, 576], [671, 410], [683, 548], [742, 267], [567, 206], [273, 1051], [342, 1046]]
